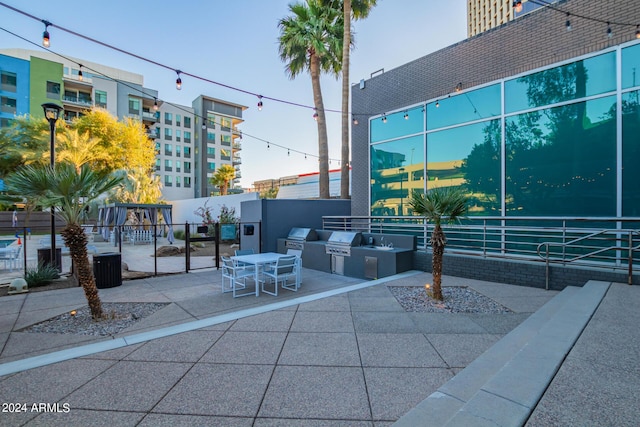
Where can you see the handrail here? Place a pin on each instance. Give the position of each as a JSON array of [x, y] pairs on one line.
[[594, 242]]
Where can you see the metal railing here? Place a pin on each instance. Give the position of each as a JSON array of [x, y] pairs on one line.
[[611, 243]]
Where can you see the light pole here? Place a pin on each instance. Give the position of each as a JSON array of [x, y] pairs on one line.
[[51, 113]]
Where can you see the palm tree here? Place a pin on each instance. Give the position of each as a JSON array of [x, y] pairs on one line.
[[437, 205], [68, 190], [222, 177], [311, 40], [352, 9], [80, 148]]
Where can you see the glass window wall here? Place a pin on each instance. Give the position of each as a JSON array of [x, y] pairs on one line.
[[398, 124], [469, 106]]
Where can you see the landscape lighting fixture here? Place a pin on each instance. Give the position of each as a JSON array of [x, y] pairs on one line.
[[45, 35], [259, 102], [517, 5], [178, 81]]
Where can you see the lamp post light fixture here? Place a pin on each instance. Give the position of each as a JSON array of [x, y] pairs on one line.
[[51, 113]]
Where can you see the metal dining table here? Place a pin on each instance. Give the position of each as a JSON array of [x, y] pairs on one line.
[[259, 261]]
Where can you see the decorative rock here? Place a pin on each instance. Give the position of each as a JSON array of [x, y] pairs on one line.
[[18, 286]]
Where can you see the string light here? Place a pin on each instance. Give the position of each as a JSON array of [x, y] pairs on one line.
[[80, 72], [458, 87], [638, 31], [437, 104], [568, 23], [315, 114], [178, 80], [384, 118], [45, 36], [355, 121], [155, 104], [406, 115], [259, 102], [609, 32], [288, 152]]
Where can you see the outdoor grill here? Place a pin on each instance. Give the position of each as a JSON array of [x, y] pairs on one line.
[[297, 236], [341, 242]]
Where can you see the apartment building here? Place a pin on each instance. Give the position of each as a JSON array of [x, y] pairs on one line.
[[217, 141], [185, 158]]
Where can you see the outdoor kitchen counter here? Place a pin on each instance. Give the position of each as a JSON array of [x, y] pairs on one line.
[[389, 261]]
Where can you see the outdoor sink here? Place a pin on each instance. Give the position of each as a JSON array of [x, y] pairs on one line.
[[380, 248]]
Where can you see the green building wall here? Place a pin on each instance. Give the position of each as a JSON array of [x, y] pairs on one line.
[[42, 72]]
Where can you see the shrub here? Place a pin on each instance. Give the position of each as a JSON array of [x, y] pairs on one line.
[[42, 275]]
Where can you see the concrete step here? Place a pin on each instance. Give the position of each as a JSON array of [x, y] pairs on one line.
[[506, 381]]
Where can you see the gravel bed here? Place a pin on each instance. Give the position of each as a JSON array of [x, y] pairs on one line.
[[456, 300], [118, 316]]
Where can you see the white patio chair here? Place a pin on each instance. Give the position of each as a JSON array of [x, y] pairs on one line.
[[298, 254], [234, 278], [243, 252], [282, 271]]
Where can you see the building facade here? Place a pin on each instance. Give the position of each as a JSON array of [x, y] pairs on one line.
[[31, 78], [547, 127], [483, 15], [217, 142]]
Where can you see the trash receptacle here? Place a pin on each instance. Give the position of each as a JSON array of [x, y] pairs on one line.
[[107, 270], [44, 257]]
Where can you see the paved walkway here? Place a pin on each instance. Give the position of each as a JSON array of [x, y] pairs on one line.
[[340, 352]]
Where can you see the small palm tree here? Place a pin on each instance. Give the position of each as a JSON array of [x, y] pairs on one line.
[[438, 205], [68, 190], [222, 177]]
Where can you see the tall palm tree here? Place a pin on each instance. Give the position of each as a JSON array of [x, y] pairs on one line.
[[352, 9], [68, 190], [311, 40], [446, 204]]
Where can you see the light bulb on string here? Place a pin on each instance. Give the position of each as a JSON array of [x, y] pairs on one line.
[[178, 81], [406, 115], [288, 152], [355, 121], [315, 114], [155, 104], [80, 72], [384, 118], [638, 31], [437, 104], [568, 23], [259, 102], [609, 31], [46, 40]]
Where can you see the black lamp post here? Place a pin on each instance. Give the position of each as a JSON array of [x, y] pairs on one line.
[[51, 113]]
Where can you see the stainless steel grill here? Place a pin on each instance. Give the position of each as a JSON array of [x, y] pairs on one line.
[[341, 242], [297, 236]]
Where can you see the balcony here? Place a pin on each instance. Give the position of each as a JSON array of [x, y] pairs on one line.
[[168, 168], [225, 143], [168, 153], [148, 116], [74, 100], [237, 161], [187, 170], [237, 146], [225, 157]]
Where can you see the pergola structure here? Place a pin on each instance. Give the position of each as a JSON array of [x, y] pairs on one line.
[[115, 215]]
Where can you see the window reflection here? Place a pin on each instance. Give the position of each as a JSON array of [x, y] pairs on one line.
[[398, 124], [397, 168], [468, 156], [576, 80], [562, 161], [469, 106], [630, 154]]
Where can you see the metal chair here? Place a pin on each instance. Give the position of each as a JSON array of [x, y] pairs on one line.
[[243, 252], [298, 254], [234, 277], [282, 271]]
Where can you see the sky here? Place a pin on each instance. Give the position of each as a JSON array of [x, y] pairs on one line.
[[236, 43]]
